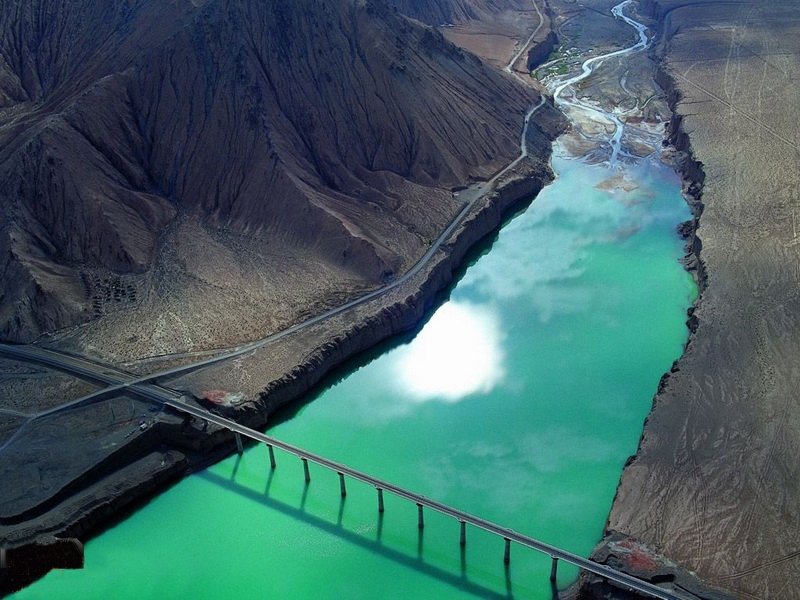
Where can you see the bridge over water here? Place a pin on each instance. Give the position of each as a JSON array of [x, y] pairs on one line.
[[118, 380], [422, 503]]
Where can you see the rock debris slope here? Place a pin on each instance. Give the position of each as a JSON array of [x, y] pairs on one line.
[[144, 144], [436, 12]]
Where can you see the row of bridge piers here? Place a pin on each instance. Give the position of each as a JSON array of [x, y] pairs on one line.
[[556, 554], [381, 506]]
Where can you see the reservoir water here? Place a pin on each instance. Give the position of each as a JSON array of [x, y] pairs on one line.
[[519, 400]]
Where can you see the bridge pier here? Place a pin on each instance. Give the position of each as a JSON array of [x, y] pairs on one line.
[[272, 464], [341, 485], [607, 573], [463, 540], [239, 447]]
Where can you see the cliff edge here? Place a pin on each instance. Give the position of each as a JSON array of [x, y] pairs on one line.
[[715, 482]]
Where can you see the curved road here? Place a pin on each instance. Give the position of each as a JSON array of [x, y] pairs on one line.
[[119, 381], [527, 43], [471, 194], [122, 381]]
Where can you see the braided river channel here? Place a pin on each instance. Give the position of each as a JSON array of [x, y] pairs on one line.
[[518, 400]]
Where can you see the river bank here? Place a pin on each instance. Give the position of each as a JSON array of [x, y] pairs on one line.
[[168, 447], [592, 94], [638, 504], [714, 485], [478, 409]]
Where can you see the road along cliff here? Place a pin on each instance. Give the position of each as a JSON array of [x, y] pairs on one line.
[[208, 158], [182, 129]]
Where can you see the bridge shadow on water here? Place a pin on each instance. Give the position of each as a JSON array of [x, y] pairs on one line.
[[459, 581]]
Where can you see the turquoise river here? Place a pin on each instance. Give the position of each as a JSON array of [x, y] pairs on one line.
[[519, 400]]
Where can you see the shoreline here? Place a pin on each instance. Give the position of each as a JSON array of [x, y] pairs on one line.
[[626, 553], [706, 503], [175, 447]]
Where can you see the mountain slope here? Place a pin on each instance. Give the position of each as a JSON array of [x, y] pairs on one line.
[[326, 129], [438, 12]]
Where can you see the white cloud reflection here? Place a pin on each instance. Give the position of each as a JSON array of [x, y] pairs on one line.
[[458, 353]]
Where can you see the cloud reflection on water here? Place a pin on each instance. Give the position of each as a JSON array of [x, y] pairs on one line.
[[520, 468], [554, 242], [458, 353]]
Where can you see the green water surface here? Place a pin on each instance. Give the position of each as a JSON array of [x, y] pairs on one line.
[[519, 401]]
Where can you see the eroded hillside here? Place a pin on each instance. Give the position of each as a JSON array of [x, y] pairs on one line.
[[241, 162]]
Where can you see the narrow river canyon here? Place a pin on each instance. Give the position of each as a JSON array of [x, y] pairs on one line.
[[519, 399]]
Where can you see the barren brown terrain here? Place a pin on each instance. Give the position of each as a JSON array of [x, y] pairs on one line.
[[495, 30], [329, 136], [715, 484], [158, 202]]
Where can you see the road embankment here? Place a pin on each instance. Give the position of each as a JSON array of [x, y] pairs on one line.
[[408, 308]]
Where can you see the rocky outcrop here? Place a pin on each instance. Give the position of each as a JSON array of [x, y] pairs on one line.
[[691, 171], [27, 563], [539, 52], [643, 562]]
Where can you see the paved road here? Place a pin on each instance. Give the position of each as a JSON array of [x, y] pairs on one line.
[[527, 43], [125, 381], [121, 380], [114, 379]]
